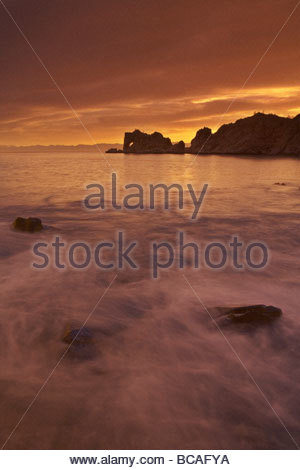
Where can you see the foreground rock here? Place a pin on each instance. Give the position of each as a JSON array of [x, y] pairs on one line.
[[32, 224], [140, 142], [78, 337], [260, 134], [254, 314], [81, 343]]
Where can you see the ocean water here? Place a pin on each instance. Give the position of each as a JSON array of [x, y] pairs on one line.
[[159, 374]]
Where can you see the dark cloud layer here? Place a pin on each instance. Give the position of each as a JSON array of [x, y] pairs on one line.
[[167, 65]]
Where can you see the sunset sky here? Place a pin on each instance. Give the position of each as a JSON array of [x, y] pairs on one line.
[[167, 65]]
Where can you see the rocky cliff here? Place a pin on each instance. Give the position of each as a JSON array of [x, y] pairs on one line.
[[260, 134], [140, 142]]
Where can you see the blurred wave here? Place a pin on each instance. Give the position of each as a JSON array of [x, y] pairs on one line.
[[161, 375]]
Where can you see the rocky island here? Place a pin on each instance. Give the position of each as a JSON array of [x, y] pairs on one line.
[[140, 142], [260, 134]]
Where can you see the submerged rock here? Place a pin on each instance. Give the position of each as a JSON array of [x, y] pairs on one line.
[[77, 336], [31, 224], [81, 343], [254, 314]]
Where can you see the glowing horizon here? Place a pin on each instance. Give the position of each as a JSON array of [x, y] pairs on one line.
[[152, 76]]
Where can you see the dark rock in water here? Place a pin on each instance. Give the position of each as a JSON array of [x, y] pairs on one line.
[[81, 343], [32, 224], [78, 337], [140, 142], [254, 314]]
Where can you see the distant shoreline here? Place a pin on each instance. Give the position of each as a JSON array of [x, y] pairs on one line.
[[57, 148], [96, 151]]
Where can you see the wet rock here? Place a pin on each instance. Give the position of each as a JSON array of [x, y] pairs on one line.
[[31, 224], [77, 336], [81, 343], [254, 314]]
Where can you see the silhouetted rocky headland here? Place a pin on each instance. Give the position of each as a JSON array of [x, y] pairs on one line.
[[260, 134]]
